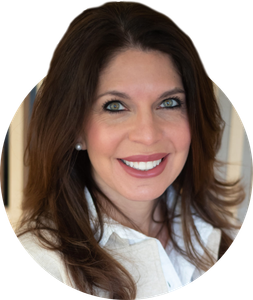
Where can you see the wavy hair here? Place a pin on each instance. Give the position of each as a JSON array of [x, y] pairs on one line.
[[54, 199]]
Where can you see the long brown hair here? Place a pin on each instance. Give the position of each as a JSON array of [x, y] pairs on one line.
[[54, 197]]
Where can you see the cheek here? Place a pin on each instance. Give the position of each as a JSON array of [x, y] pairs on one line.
[[180, 136], [101, 139]]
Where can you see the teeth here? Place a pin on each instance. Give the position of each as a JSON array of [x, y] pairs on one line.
[[143, 166]]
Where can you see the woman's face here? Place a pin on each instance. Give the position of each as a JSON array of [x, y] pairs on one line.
[[138, 134]]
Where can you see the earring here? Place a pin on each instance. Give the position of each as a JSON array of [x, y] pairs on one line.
[[78, 146]]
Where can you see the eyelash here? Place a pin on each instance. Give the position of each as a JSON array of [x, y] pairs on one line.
[[179, 102]]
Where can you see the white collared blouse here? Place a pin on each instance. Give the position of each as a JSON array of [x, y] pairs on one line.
[[155, 270], [177, 271]]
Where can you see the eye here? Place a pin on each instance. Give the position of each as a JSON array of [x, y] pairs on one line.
[[170, 103], [115, 106]]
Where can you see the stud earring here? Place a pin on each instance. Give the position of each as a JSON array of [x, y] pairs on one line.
[[78, 147]]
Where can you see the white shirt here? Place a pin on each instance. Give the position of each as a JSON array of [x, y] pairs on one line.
[[177, 270], [154, 269]]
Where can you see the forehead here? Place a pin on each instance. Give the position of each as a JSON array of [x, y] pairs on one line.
[[137, 70], [137, 55]]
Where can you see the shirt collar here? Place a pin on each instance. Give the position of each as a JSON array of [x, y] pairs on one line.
[[134, 236], [111, 226], [183, 267]]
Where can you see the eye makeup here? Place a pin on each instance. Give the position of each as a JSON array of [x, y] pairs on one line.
[[116, 106]]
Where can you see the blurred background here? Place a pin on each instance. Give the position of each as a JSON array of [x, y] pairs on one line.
[[235, 150]]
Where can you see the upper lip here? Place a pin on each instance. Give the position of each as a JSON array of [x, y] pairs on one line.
[[145, 158]]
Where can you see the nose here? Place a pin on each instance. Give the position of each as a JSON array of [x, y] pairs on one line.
[[145, 129]]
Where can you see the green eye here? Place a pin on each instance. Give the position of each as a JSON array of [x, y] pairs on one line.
[[114, 106], [169, 103]]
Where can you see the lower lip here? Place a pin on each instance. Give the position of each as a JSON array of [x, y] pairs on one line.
[[145, 174]]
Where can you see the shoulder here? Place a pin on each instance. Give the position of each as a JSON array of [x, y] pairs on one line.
[[51, 261]]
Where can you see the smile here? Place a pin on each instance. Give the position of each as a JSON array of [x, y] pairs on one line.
[[142, 166]]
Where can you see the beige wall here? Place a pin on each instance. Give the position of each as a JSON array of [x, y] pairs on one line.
[[16, 149]]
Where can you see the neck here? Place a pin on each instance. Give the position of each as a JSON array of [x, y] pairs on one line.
[[139, 215]]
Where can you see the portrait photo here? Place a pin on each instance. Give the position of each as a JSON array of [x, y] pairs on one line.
[[126, 137]]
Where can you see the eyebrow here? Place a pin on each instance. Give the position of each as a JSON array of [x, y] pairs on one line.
[[176, 90]]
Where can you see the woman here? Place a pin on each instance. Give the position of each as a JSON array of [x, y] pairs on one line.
[[122, 200]]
